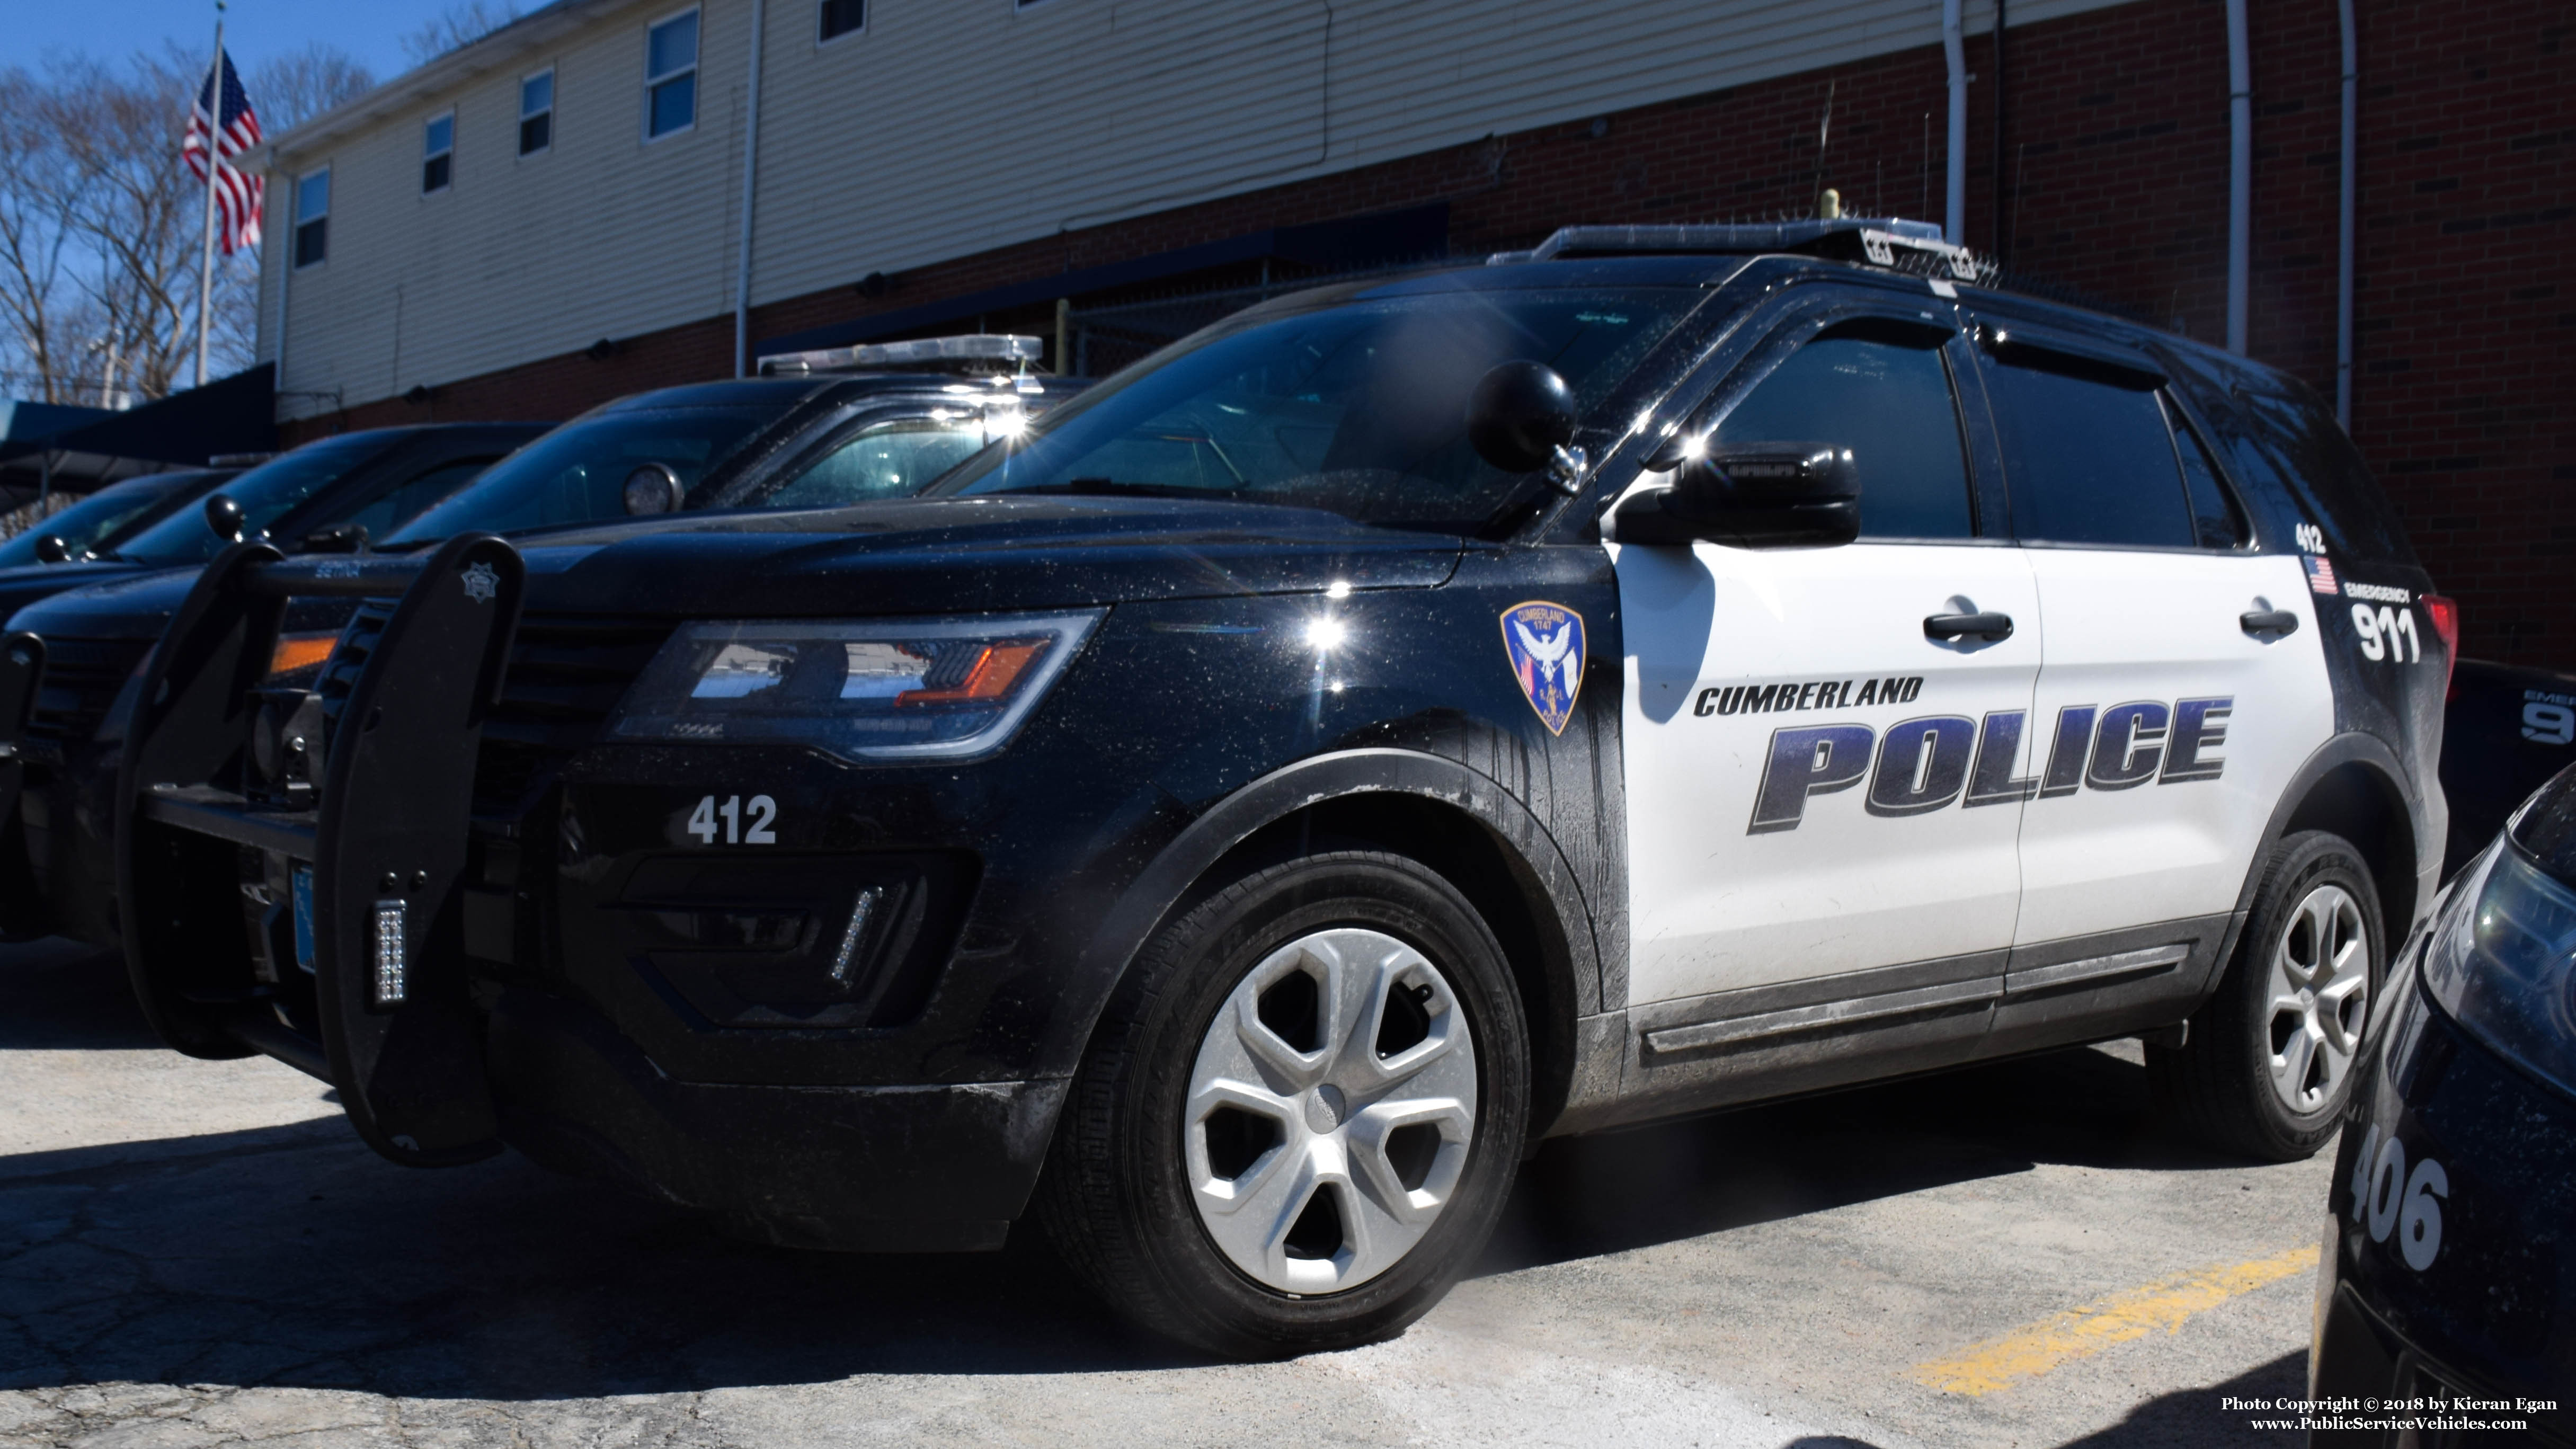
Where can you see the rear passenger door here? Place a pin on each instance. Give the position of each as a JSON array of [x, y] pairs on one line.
[[1816, 786], [2174, 708]]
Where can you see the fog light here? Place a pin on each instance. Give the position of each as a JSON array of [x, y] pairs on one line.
[[847, 956], [391, 958]]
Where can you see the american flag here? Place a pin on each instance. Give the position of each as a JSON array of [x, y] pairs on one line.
[[238, 194]]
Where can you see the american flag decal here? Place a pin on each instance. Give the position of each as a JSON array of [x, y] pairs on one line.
[[235, 129], [2321, 576]]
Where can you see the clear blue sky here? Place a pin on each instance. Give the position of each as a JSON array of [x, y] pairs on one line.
[[370, 31]]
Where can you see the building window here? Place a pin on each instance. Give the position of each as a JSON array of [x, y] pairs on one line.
[[312, 217], [537, 113], [437, 153], [671, 75], [844, 17]]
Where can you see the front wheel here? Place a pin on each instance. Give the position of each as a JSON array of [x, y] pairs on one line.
[[2269, 1060], [1300, 1114]]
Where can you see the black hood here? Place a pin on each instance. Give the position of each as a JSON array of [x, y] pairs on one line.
[[938, 555], [21, 588]]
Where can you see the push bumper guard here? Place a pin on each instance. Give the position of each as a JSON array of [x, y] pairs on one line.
[[390, 1023]]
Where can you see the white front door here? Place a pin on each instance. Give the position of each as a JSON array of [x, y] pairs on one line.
[[1814, 785]]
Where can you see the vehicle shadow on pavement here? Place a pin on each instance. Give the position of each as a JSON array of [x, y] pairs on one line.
[[294, 1256], [2195, 1416], [1584, 1196]]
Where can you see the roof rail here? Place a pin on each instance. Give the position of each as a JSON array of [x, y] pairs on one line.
[[972, 353], [1878, 241]]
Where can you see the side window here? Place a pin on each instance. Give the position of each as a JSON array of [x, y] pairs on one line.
[[437, 153], [2088, 458], [890, 460], [537, 113], [396, 506], [671, 75], [1883, 392], [313, 217], [843, 17], [2216, 519]]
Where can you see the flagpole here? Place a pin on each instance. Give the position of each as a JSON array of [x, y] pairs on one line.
[[214, 163]]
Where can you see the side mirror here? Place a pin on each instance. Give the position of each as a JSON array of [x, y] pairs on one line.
[[1754, 495], [224, 516], [338, 538], [1521, 417], [52, 549], [652, 488]]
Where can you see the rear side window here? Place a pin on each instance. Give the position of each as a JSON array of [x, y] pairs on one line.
[[1885, 395], [2294, 445], [2088, 459]]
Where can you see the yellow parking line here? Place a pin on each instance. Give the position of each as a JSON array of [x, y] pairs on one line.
[[2033, 1350]]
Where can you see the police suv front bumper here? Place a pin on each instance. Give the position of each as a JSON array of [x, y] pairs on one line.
[[346, 913]]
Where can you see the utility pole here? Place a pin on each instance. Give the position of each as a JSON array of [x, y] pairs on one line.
[[214, 164]]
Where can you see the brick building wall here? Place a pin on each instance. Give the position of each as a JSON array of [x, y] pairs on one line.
[[2114, 183]]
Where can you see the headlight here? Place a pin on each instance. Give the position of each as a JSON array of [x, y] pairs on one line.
[[2504, 967], [899, 689]]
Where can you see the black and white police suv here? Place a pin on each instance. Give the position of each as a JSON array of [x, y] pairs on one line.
[[1234, 820], [2446, 1292]]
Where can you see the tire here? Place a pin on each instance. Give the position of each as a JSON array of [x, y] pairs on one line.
[[2264, 1070], [1198, 1122]]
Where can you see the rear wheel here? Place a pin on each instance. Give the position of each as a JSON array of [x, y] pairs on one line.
[[1300, 1114], [2268, 1062]]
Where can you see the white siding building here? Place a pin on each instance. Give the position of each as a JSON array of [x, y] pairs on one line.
[[456, 243]]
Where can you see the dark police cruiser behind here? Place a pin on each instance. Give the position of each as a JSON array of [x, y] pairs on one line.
[[1233, 822], [822, 430], [2446, 1290]]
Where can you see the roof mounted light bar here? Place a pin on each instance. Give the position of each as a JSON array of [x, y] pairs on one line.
[[983, 352], [1884, 241]]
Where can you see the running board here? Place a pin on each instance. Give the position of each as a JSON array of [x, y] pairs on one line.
[[1824, 1015], [2096, 970]]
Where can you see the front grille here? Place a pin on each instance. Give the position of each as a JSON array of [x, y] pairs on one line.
[[81, 680], [566, 674]]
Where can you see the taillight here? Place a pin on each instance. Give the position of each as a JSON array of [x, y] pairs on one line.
[[2446, 627]]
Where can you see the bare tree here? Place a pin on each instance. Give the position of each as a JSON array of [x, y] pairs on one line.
[[40, 192], [100, 221], [291, 89], [456, 27]]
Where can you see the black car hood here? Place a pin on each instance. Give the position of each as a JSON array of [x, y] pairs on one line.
[[931, 555], [35, 585]]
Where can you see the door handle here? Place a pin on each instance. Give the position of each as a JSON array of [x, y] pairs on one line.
[[2276, 623], [1989, 627]]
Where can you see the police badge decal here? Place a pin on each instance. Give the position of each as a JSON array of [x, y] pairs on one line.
[[1544, 642]]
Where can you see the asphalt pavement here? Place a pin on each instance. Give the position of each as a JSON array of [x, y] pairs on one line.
[[198, 1253]]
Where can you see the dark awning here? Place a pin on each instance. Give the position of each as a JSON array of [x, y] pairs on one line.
[[1414, 234], [235, 414]]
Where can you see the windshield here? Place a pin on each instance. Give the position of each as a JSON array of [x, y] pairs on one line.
[[1359, 408], [577, 473], [97, 517], [265, 493]]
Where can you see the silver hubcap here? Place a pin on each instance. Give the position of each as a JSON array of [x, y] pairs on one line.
[[1330, 1111], [2320, 998]]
